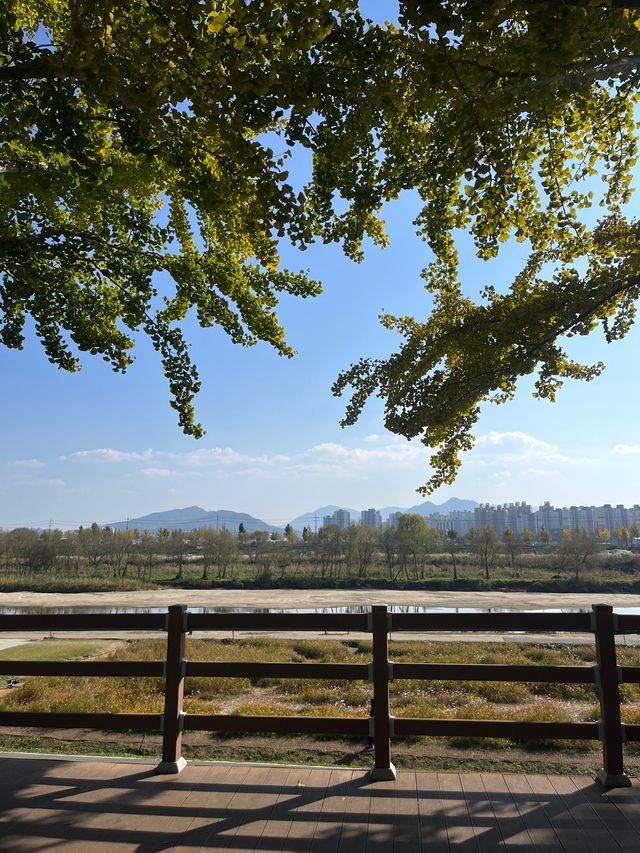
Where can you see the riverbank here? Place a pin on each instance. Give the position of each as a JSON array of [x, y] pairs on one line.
[[329, 599], [304, 599]]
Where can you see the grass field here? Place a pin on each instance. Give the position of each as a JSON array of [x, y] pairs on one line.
[[55, 650]]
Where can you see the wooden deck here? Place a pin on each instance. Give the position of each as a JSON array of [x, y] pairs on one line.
[[89, 806]]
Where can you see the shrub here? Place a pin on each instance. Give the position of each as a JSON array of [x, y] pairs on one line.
[[503, 692], [262, 709]]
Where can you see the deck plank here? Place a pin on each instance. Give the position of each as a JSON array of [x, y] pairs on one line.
[[249, 807], [568, 831], [481, 812], [614, 821], [302, 829], [381, 817], [627, 801], [406, 825], [276, 827], [595, 836], [331, 813], [532, 812], [210, 806], [108, 807], [433, 826], [513, 829], [353, 838], [460, 832]]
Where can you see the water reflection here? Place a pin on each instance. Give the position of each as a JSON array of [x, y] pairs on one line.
[[348, 609]]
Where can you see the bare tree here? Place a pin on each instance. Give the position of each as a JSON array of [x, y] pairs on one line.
[[486, 545], [452, 541]]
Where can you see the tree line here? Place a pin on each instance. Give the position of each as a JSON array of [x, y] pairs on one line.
[[408, 552]]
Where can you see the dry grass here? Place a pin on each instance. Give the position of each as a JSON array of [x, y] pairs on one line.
[[417, 698]]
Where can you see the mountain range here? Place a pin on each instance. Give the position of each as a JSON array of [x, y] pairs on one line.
[[191, 517]]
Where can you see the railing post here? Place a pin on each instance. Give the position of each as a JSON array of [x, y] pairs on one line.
[[612, 774], [172, 760], [383, 768]]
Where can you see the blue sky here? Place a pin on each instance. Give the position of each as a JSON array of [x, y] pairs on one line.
[[101, 446]]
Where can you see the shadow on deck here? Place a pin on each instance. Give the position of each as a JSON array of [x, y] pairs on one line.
[[102, 805]]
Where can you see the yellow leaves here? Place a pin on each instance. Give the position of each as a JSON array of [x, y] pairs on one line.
[[216, 22]]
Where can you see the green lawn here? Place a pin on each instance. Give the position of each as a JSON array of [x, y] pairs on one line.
[[54, 649]]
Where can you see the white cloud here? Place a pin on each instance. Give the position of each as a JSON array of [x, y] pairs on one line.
[[175, 474], [403, 454], [108, 454], [325, 460], [30, 464], [517, 441], [504, 456], [515, 447], [216, 456], [627, 449]]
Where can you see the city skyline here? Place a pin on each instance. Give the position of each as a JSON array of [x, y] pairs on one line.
[[519, 517]]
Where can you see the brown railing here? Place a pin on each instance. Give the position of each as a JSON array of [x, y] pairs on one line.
[[606, 675]]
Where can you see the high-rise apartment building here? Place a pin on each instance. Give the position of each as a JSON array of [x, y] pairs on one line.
[[371, 517], [340, 518]]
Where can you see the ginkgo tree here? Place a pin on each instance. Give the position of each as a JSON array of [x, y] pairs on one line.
[[153, 137]]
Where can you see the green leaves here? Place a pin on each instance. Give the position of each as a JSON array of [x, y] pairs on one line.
[[152, 138], [132, 146], [524, 101]]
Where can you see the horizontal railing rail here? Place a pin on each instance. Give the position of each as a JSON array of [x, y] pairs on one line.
[[97, 669], [626, 624], [381, 726], [56, 622], [493, 672], [517, 730], [229, 669], [277, 622], [487, 622], [358, 726], [80, 720]]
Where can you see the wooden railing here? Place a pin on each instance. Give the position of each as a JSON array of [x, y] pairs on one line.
[[606, 675]]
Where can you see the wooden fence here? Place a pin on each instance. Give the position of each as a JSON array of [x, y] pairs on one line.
[[606, 675]]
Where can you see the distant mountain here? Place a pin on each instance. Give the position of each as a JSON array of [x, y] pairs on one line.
[[314, 518], [386, 511], [190, 517], [428, 508]]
